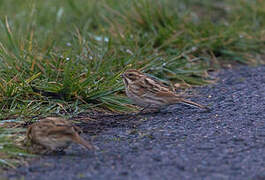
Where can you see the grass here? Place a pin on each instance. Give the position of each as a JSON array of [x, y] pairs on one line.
[[10, 153], [65, 57]]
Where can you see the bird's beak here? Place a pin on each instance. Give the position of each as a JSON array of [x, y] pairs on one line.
[[122, 75]]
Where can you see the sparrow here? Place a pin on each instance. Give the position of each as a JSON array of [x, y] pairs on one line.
[[148, 92], [53, 134]]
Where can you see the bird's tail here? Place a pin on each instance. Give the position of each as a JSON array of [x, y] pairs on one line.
[[193, 104], [78, 139]]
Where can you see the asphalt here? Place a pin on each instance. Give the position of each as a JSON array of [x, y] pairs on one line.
[[180, 143]]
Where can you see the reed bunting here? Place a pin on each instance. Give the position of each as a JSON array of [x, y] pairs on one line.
[[148, 92], [53, 134]]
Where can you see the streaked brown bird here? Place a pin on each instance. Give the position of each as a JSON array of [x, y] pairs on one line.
[[148, 92], [53, 134]]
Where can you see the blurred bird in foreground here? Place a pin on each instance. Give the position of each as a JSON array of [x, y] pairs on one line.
[[148, 92], [53, 134]]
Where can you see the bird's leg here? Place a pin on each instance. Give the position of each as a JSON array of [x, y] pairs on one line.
[[59, 152], [144, 108], [47, 152], [153, 110]]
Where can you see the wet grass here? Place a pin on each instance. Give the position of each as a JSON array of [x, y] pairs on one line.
[[11, 154], [65, 57]]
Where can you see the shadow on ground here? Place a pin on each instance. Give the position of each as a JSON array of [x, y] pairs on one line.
[[185, 143]]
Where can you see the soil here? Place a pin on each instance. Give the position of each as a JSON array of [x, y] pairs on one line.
[[182, 142]]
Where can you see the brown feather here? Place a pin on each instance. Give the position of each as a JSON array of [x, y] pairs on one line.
[[147, 91], [54, 133]]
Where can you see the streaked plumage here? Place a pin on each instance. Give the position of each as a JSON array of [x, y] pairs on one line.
[[53, 134], [149, 92]]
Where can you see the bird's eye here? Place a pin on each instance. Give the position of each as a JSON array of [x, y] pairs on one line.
[[130, 75]]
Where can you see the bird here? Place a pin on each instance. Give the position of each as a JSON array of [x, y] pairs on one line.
[[53, 134], [148, 92]]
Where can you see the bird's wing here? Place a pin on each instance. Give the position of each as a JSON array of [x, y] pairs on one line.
[[66, 130], [155, 86]]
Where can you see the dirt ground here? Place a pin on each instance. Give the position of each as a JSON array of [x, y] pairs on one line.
[[183, 143]]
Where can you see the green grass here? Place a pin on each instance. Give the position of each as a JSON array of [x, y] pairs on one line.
[[75, 50], [10, 153]]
